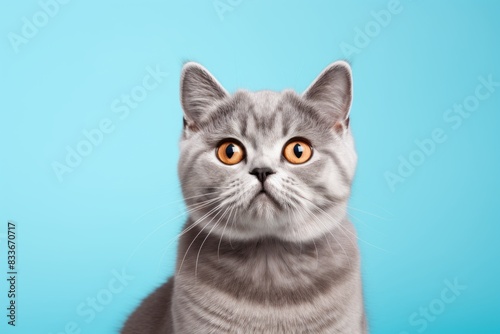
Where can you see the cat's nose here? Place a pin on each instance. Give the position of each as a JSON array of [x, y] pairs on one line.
[[262, 173]]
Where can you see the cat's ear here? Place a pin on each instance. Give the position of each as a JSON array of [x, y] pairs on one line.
[[200, 91], [331, 92]]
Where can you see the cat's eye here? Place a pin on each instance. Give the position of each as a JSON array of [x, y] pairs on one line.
[[230, 152], [297, 151]]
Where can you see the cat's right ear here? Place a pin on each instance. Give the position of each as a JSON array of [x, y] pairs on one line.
[[200, 92], [331, 92]]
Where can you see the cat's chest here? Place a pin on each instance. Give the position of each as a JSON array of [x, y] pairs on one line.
[[202, 310], [268, 287]]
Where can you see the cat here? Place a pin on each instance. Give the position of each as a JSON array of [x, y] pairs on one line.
[[268, 247]]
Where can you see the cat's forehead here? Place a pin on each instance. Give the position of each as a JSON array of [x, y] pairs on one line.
[[264, 117], [263, 102], [268, 116], [259, 114], [267, 108]]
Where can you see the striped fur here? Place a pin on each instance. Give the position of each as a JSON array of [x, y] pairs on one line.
[[285, 262]]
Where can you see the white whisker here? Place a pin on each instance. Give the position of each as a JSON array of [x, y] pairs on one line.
[[206, 237], [187, 251], [222, 235], [163, 224]]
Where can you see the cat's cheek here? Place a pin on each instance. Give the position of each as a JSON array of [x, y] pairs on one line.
[[308, 172]]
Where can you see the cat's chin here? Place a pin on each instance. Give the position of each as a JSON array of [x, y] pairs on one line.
[[263, 219], [264, 200]]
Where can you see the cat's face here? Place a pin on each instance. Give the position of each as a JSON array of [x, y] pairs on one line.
[[267, 163]]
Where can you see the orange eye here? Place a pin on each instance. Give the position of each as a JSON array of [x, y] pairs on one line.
[[297, 151], [230, 152]]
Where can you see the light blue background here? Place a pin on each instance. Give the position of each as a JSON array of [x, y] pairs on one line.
[[120, 208]]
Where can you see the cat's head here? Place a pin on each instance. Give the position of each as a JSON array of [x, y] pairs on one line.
[[267, 163]]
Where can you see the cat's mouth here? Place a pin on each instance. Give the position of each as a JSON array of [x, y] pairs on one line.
[[263, 194]]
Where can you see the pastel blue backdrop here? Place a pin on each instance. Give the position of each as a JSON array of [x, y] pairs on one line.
[[98, 238]]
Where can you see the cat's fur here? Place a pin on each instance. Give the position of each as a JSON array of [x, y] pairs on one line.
[[283, 262]]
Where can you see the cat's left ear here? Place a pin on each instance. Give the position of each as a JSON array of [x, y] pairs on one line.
[[200, 92], [331, 92]]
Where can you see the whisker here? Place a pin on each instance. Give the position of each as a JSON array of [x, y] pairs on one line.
[[317, 254], [169, 204], [187, 251], [187, 229], [160, 226], [370, 226], [346, 230], [222, 235], [334, 237], [342, 227], [294, 208], [206, 237], [366, 212], [164, 252], [364, 241]]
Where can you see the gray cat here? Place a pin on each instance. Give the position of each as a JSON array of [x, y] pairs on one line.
[[268, 247]]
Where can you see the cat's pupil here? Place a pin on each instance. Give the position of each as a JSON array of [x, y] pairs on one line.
[[230, 150], [298, 149]]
